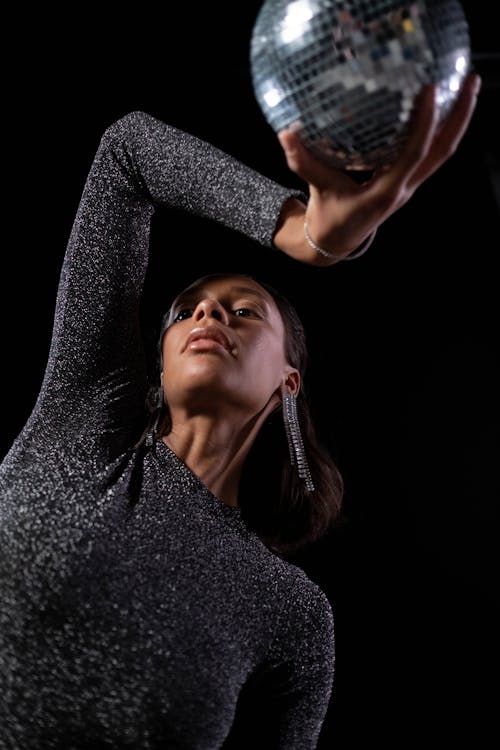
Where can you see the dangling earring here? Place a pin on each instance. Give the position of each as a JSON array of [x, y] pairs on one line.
[[294, 438]]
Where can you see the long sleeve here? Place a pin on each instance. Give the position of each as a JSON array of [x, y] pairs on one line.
[[134, 604], [95, 377]]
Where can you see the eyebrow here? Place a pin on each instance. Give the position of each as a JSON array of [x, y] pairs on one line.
[[238, 289], [250, 290]]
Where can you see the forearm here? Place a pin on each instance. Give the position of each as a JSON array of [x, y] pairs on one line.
[[181, 171]]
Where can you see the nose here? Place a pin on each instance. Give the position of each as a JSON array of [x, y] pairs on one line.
[[210, 308]]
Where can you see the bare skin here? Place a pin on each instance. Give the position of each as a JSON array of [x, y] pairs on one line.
[[219, 392], [341, 213]]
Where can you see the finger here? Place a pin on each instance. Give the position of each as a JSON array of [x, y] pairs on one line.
[[451, 132], [418, 142], [305, 164]]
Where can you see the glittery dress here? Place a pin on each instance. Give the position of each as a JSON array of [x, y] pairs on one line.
[[136, 609]]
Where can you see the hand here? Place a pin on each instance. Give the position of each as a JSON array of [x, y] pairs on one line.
[[342, 213]]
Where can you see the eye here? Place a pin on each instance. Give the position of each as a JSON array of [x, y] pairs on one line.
[[245, 312], [182, 315]]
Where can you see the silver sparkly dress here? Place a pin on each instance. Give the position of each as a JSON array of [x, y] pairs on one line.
[[136, 609]]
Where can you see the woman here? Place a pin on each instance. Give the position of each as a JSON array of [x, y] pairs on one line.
[[146, 601]]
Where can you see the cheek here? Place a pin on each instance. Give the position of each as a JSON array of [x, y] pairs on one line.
[[170, 345], [168, 365], [268, 359]]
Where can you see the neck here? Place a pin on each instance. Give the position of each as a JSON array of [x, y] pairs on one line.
[[215, 450]]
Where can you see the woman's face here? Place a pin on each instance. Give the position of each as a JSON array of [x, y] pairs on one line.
[[224, 347]]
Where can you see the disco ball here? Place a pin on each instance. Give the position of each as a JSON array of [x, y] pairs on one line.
[[346, 74]]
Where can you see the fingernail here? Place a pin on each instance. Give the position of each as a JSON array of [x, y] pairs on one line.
[[283, 140], [287, 145]]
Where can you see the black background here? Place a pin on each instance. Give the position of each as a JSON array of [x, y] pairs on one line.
[[404, 342]]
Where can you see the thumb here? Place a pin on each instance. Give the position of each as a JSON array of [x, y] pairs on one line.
[[303, 162]]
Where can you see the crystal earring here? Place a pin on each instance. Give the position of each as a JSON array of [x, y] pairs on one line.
[[294, 438]]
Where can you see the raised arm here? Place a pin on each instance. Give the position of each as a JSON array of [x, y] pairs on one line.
[[95, 376]]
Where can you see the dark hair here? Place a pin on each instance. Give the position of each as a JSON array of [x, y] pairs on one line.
[[273, 500]]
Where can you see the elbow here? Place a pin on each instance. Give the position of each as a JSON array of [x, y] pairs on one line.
[[126, 128]]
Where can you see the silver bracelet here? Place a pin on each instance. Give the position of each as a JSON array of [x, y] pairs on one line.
[[352, 256]]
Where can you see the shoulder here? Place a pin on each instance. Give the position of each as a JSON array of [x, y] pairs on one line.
[[304, 638], [291, 584], [309, 605], [306, 612]]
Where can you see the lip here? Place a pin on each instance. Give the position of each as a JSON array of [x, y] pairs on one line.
[[208, 333]]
